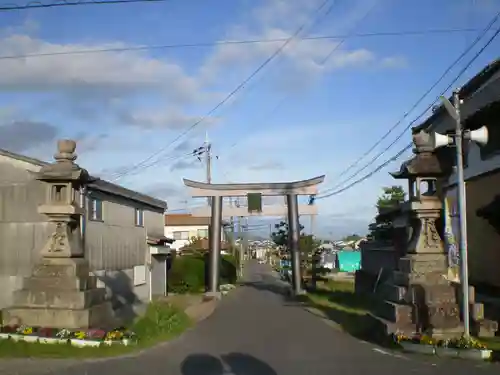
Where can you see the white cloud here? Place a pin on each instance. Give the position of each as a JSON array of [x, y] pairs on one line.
[[117, 72], [300, 60], [394, 62], [170, 119], [269, 165]]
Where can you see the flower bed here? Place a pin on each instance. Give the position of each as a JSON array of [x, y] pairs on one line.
[[457, 347], [80, 338]]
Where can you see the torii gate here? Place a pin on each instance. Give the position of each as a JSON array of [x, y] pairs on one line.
[[254, 192]]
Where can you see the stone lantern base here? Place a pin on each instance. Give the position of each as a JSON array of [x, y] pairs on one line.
[[419, 298], [61, 294]]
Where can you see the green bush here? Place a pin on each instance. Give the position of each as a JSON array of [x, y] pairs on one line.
[[160, 319], [228, 269], [186, 275]]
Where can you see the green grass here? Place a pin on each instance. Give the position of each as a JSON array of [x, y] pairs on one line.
[[338, 302], [492, 343], [161, 322]]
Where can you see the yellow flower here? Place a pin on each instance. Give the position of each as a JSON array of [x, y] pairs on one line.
[[114, 335], [80, 335], [27, 331]]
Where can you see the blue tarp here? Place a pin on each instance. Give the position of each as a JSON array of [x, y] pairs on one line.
[[285, 263], [349, 261], [285, 268]]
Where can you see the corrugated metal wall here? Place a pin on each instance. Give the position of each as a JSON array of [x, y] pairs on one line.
[[116, 242], [22, 229]]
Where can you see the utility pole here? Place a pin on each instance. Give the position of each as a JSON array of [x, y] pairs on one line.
[[208, 161], [462, 212], [240, 242], [286, 216], [312, 200], [245, 238], [233, 247]]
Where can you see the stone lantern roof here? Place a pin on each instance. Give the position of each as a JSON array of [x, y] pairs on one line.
[[64, 167], [424, 164]]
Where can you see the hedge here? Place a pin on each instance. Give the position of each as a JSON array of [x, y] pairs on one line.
[[189, 273]]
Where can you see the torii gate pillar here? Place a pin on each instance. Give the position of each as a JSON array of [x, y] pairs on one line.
[[289, 189], [294, 241], [215, 250]]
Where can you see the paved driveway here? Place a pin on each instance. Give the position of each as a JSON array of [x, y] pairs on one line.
[[255, 331]]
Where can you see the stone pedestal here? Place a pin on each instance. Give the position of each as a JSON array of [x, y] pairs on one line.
[[417, 297], [60, 294]]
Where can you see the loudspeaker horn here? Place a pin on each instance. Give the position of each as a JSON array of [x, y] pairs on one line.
[[480, 135], [440, 140]]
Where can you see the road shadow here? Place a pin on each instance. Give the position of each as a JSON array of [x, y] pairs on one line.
[[227, 364], [282, 290], [351, 312]]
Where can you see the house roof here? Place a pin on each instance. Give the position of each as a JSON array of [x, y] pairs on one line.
[[465, 92], [185, 220], [97, 183], [188, 220]]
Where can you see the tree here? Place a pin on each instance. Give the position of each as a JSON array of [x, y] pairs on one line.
[[307, 244], [392, 196], [280, 236]]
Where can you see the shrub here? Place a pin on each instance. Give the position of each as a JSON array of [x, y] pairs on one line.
[[187, 275], [228, 269], [160, 320]]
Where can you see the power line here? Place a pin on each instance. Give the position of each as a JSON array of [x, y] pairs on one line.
[[237, 42], [321, 63], [380, 167], [231, 94], [407, 147], [443, 75], [66, 3], [128, 171]]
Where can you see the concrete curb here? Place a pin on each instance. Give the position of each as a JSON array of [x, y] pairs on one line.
[[201, 311], [28, 366], [321, 315]]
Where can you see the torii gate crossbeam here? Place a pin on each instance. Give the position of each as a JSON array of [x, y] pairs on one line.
[[289, 189]]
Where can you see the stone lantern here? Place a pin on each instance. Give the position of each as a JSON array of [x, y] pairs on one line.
[[424, 206], [63, 180], [61, 293], [418, 298]]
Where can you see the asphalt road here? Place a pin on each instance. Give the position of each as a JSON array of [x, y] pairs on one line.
[[255, 331]]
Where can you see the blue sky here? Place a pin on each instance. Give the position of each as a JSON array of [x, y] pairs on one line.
[[297, 119]]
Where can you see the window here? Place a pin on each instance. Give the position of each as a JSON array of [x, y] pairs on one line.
[[203, 233], [95, 209], [139, 275], [139, 217], [181, 235]]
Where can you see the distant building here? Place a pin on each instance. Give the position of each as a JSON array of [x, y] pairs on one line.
[[183, 227]]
